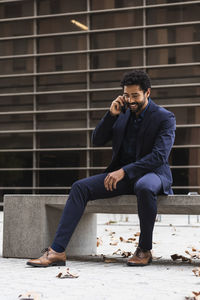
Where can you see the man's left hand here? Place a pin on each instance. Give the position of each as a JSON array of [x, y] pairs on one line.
[[113, 178]]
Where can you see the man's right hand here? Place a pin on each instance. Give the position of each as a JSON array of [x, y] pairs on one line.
[[116, 105]]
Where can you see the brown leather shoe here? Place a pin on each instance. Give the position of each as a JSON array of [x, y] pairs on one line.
[[140, 258], [49, 258]]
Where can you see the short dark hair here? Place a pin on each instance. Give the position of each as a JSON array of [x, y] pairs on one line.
[[137, 77]]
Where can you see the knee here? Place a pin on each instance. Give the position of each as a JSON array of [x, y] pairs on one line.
[[143, 188], [80, 187]]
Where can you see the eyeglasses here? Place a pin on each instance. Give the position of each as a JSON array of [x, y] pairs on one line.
[[128, 97]]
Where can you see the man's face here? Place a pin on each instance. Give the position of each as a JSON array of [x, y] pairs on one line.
[[137, 98]]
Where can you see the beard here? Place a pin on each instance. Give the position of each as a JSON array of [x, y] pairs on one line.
[[137, 107]]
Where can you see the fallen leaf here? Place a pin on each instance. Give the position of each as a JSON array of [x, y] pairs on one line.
[[195, 297], [137, 234], [193, 249], [114, 243], [29, 296], [196, 272], [67, 274], [99, 242], [117, 252], [191, 255], [110, 222], [183, 258]]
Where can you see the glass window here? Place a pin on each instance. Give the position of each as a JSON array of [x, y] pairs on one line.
[[116, 59], [16, 66], [185, 156], [173, 14], [173, 55], [16, 85], [170, 35], [176, 95], [61, 24], [186, 115], [62, 62], [16, 28], [16, 160], [106, 79], [96, 116], [187, 136], [56, 159], [16, 103], [16, 122], [61, 139], [184, 177], [62, 120], [16, 140], [16, 47], [60, 178], [62, 43], [103, 99], [100, 158], [62, 82], [16, 178], [104, 4], [17, 9], [116, 39], [61, 101], [174, 75], [47, 7], [116, 19]]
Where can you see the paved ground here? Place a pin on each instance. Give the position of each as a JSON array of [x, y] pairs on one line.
[[163, 279]]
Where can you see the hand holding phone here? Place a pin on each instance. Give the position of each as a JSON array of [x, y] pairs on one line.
[[118, 105]]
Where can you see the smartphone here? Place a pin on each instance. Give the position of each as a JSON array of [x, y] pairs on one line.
[[124, 107]]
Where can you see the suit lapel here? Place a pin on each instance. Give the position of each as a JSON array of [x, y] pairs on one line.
[[145, 124]]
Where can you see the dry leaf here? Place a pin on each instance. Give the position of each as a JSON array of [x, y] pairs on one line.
[[137, 234], [183, 258], [67, 274], [196, 272], [110, 222], [193, 249], [99, 242], [117, 252], [29, 296], [195, 297], [123, 253], [126, 254], [114, 243]]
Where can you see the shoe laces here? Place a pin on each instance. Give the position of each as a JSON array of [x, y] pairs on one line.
[[46, 250]]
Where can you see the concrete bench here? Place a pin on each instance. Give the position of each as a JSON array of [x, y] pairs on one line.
[[30, 221]]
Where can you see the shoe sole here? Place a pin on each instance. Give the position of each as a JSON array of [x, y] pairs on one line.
[[54, 264], [130, 264]]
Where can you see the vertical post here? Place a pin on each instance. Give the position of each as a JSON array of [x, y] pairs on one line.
[[34, 181], [88, 93], [144, 35]]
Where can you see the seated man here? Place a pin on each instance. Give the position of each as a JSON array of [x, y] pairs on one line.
[[142, 135]]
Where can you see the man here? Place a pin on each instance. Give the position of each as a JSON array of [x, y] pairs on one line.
[[142, 135]]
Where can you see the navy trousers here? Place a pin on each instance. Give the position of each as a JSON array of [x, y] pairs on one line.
[[146, 189]]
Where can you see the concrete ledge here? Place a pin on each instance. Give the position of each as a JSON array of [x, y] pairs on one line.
[[30, 221]]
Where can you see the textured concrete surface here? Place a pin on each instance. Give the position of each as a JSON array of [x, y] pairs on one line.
[[163, 279]]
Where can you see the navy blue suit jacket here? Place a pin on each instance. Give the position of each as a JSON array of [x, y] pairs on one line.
[[154, 142]]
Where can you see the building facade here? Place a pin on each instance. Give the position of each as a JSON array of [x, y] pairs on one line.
[[60, 68]]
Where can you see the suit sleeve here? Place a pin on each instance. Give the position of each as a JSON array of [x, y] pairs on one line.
[[160, 151], [103, 132]]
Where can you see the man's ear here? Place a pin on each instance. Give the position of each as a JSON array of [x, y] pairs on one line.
[[148, 92]]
